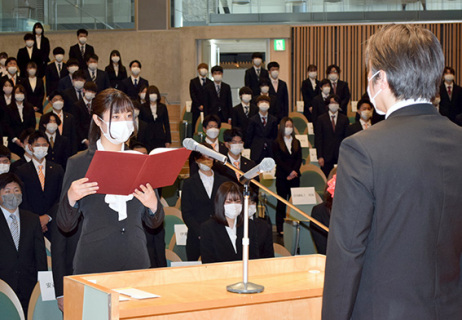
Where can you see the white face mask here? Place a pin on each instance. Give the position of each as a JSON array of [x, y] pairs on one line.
[[274, 74], [7, 90], [204, 167], [89, 95], [153, 97], [263, 106], [264, 89], [217, 77], [59, 57], [120, 131], [312, 74], [372, 98], [212, 133], [257, 62], [252, 209], [12, 70], [19, 97], [52, 127], [58, 105], [93, 66], [203, 72], [143, 95], [78, 84], [2, 61], [288, 131], [233, 210], [333, 107], [333, 77], [27, 149], [40, 152], [136, 71], [236, 148], [326, 90], [38, 31], [246, 98], [32, 72], [29, 43], [73, 69], [83, 40], [449, 77], [4, 167], [115, 59], [366, 115]]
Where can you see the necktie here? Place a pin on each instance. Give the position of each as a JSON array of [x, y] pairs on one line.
[[366, 126], [334, 87], [89, 108], [333, 123], [59, 69], [214, 145], [79, 92], [218, 91], [41, 177], [258, 72], [135, 82], [60, 127], [203, 81], [236, 165], [15, 230], [263, 119], [93, 76], [450, 92], [246, 110], [52, 143], [82, 50]]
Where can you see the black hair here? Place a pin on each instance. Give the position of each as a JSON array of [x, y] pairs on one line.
[[211, 117], [264, 82], [38, 24], [34, 136], [311, 66], [197, 155], [333, 66], [79, 74], [54, 94], [29, 36], [229, 134], [257, 55], [273, 64], [152, 90], [92, 56], [5, 152], [45, 119], [217, 69], [134, 61], [324, 82], [58, 50], [72, 62], [333, 96], [9, 59], [25, 134], [226, 188], [245, 90], [80, 31], [7, 178], [90, 86]]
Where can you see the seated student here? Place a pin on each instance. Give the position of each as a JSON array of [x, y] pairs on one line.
[[221, 235], [82, 112], [72, 65], [218, 99], [6, 98], [320, 102], [27, 156], [22, 247], [329, 133], [264, 89], [56, 71], [197, 198], [115, 70], [279, 90], [321, 212], [3, 57], [27, 54], [244, 110], [364, 122], [310, 89], [211, 126], [141, 98], [263, 228], [75, 93], [81, 50], [262, 130], [132, 85], [98, 76], [5, 159], [35, 88], [59, 149], [42, 181]]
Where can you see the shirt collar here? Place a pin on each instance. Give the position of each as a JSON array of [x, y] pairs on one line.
[[234, 160], [204, 176], [99, 146], [333, 114], [404, 103], [364, 122], [51, 135], [7, 214], [36, 163]]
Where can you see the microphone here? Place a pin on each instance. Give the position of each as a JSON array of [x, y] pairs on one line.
[[267, 164], [193, 145]]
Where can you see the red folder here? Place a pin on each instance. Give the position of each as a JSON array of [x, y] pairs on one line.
[[123, 172]]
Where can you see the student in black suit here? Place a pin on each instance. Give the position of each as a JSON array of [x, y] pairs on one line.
[[82, 117], [365, 118], [262, 130], [19, 116], [278, 89], [55, 71], [35, 89], [65, 82], [131, 85], [243, 111], [310, 89], [27, 156], [451, 95], [197, 198], [197, 92], [27, 54], [218, 99], [255, 73], [394, 243], [22, 247], [59, 149], [81, 50], [221, 236], [12, 68], [75, 93], [121, 244], [3, 57], [5, 159], [339, 87], [5, 99], [329, 133], [115, 70], [98, 76], [320, 102], [264, 89], [42, 44], [42, 182], [263, 228], [287, 152]]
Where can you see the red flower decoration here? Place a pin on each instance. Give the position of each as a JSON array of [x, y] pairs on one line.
[[331, 184]]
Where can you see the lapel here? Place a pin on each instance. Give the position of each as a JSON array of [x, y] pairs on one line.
[[201, 189], [33, 173], [5, 229], [15, 111]]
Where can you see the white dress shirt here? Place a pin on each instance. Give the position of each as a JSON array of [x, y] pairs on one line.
[[20, 106], [232, 235], [207, 182], [215, 145], [335, 116], [313, 83], [288, 142], [363, 124], [33, 83], [404, 103]]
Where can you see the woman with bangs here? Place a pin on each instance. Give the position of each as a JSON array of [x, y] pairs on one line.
[[115, 70], [112, 236], [221, 236]]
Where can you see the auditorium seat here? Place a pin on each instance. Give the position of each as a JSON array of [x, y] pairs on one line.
[[42, 310], [10, 306], [280, 251]]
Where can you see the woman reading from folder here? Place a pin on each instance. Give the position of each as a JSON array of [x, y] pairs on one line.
[[112, 237]]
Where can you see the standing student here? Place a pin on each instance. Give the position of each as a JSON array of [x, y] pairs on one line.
[[197, 92], [279, 90], [65, 82], [132, 85], [75, 93], [339, 87], [264, 89], [12, 68], [83, 115], [3, 57], [243, 111], [255, 73], [5, 159], [365, 118], [5, 99], [42, 44], [81, 50], [27, 156], [27, 54], [218, 98], [35, 88], [56, 70], [59, 149], [319, 103], [287, 153], [310, 89], [451, 95], [115, 70], [98, 76], [117, 220]]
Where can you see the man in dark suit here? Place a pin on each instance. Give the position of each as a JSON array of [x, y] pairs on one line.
[[75, 93], [310, 89], [255, 73], [42, 181], [339, 87], [262, 130], [278, 89], [364, 121], [82, 109], [98, 76], [27, 54], [12, 74], [66, 82], [56, 70], [218, 99], [264, 89], [319, 103], [243, 111], [330, 131], [397, 252], [81, 50], [197, 92], [59, 149], [451, 95], [132, 85], [22, 247]]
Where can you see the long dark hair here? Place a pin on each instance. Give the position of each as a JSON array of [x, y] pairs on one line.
[[38, 24], [111, 65], [281, 134], [113, 100], [227, 188]]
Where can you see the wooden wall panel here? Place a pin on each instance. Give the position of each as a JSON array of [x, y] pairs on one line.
[[344, 45]]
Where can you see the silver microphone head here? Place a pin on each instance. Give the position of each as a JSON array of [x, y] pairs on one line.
[[190, 144], [267, 164]]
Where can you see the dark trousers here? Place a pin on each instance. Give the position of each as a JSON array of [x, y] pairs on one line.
[[283, 189], [155, 242], [193, 249], [328, 166]]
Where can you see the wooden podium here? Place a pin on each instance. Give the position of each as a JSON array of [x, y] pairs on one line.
[[293, 290]]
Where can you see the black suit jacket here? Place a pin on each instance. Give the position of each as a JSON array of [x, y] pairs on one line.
[[82, 122], [19, 267], [158, 130], [114, 79], [102, 79], [193, 167], [282, 98], [352, 129], [44, 54], [319, 108], [129, 88], [23, 59], [252, 81], [308, 94], [327, 141], [70, 97], [14, 126], [65, 83], [451, 107], [321, 213], [60, 151], [260, 137], [197, 93], [240, 120], [35, 97], [394, 243], [264, 235], [216, 245], [52, 76], [221, 106], [287, 162], [344, 94], [74, 52], [229, 174], [69, 131]]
